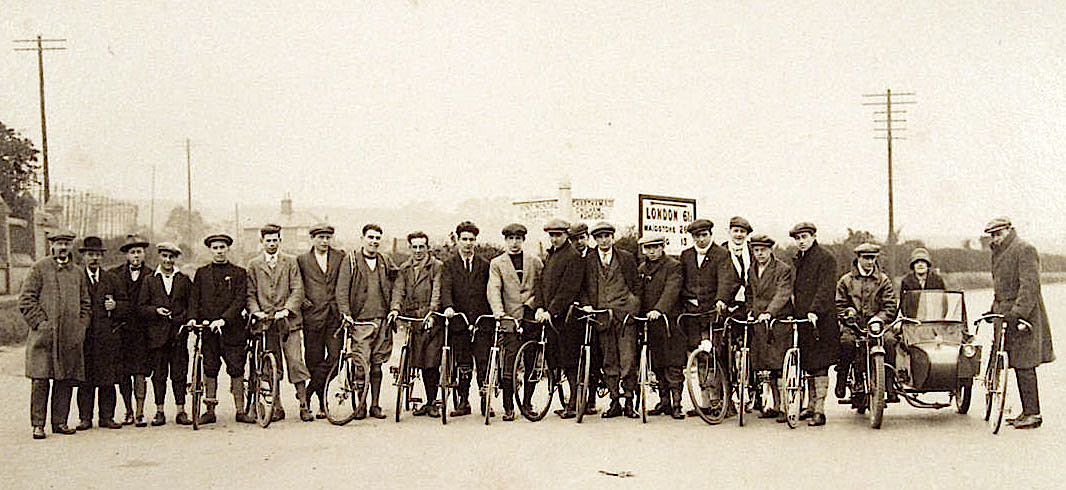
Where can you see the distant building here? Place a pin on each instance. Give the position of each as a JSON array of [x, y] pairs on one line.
[[295, 229], [535, 213]]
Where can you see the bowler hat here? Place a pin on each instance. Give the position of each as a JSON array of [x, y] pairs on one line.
[[602, 227], [700, 225], [738, 222], [133, 240], [761, 240], [168, 247], [92, 244], [514, 229], [218, 237], [321, 229], [556, 224], [803, 227], [61, 235], [997, 224]]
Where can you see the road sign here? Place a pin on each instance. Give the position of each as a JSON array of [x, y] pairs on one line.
[[667, 216]]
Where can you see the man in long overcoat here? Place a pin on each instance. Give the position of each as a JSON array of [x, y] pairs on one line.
[[1016, 274], [133, 383], [415, 293], [559, 285], [769, 296], [55, 303], [103, 343], [814, 294], [661, 278], [319, 268]]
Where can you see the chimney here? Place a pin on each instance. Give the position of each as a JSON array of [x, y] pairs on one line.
[[286, 205]]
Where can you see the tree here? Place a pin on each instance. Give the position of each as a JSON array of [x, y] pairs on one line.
[[177, 225], [18, 169]]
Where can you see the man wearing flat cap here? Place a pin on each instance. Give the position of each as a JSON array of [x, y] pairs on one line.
[[513, 277], [611, 282], [463, 290], [219, 293], [814, 294], [865, 294], [56, 305], [135, 363], [661, 278], [559, 287], [769, 295], [319, 268], [103, 343], [164, 303], [579, 238], [1016, 278], [740, 258], [275, 298]]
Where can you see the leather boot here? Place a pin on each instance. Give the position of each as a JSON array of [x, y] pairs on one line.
[[664, 406]]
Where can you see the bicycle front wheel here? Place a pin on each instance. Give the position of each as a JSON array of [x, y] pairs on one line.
[[403, 382], [490, 383], [792, 379], [342, 390], [266, 388], [999, 392], [704, 386], [250, 391], [445, 382], [644, 381], [743, 371], [583, 382], [197, 385], [877, 390], [534, 387]]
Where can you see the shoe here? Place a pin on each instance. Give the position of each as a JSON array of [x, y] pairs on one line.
[[159, 419], [769, 413], [62, 429], [84, 425], [693, 413], [320, 414], [376, 412], [841, 389], [660, 409], [433, 411], [462, 409], [421, 411], [567, 414], [614, 411], [806, 413], [360, 413], [38, 433], [628, 411], [1028, 422], [781, 418], [306, 416], [590, 409], [208, 417], [140, 422], [109, 424], [242, 417], [508, 415], [492, 413], [129, 419], [817, 420], [893, 397], [1013, 420], [677, 414], [182, 418], [731, 411], [279, 414]]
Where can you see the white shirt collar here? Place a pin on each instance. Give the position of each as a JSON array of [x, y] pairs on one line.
[[159, 271], [605, 255], [702, 251]]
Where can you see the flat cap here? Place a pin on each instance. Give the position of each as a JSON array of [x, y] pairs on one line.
[[61, 235], [920, 254], [602, 227], [761, 240], [133, 240], [577, 229], [168, 247], [321, 228], [557, 224], [867, 248], [269, 229], [514, 229], [738, 222], [218, 237], [803, 227], [651, 240], [997, 224], [92, 244], [700, 225]]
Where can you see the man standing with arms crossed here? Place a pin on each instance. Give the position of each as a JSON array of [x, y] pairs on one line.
[[364, 288], [319, 268], [814, 293], [276, 291], [559, 286], [463, 282]]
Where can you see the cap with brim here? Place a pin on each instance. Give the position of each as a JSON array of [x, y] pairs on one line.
[[514, 229], [804, 227], [602, 227], [651, 240], [61, 235], [556, 225], [997, 224], [700, 225], [321, 229], [168, 247], [92, 244], [269, 229], [577, 229], [218, 237], [920, 254], [133, 240], [761, 240], [867, 249], [738, 222]]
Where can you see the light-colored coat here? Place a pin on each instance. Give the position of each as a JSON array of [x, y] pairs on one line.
[[1016, 274], [273, 289], [56, 305], [416, 290], [506, 294]]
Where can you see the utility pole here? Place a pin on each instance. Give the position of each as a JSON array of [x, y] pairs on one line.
[[40, 49], [151, 209], [188, 189], [883, 130]]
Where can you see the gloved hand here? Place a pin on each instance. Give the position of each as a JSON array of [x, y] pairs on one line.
[[1011, 319]]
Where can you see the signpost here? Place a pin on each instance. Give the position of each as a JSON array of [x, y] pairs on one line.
[[667, 216]]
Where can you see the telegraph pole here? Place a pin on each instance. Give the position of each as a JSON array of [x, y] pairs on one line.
[[188, 189], [151, 208], [883, 130], [40, 49]]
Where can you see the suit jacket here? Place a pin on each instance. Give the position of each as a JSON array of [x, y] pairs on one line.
[[709, 282], [561, 281], [463, 291], [506, 294], [772, 291], [353, 279], [126, 313], [272, 289], [735, 277], [416, 290], [320, 288], [103, 342], [628, 265], [161, 330], [662, 285]]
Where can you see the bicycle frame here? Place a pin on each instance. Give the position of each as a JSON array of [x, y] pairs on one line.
[[587, 315], [195, 385]]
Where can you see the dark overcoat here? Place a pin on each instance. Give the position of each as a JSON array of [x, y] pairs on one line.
[[55, 303], [814, 291], [660, 291], [708, 282], [770, 292], [103, 341], [1016, 274], [559, 286], [131, 325]]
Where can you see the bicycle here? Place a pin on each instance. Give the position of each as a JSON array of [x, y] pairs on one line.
[[644, 381], [403, 374], [705, 374], [995, 380], [262, 390], [196, 382], [741, 374], [345, 387], [584, 362], [495, 365], [448, 374], [531, 370], [795, 380]]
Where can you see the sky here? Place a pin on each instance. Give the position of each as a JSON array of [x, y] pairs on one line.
[[753, 110]]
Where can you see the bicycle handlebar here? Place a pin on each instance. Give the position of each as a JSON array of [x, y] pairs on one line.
[[789, 321], [665, 320], [346, 323], [589, 313], [188, 327], [988, 317]]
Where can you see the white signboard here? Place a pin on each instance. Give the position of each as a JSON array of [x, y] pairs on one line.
[[667, 216]]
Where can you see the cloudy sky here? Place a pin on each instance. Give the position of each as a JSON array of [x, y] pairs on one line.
[[754, 110]]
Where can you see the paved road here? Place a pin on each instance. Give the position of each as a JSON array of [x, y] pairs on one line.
[[916, 448]]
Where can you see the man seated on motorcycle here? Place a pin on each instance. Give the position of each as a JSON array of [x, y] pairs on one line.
[[865, 295]]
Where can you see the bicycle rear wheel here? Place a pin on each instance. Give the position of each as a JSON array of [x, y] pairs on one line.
[[792, 378], [250, 391], [343, 391], [533, 381], [445, 382], [197, 385], [877, 390], [704, 387], [267, 388], [402, 383], [644, 382], [999, 392], [490, 383], [583, 382]]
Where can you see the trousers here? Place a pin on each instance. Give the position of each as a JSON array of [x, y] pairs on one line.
[[61, 391]]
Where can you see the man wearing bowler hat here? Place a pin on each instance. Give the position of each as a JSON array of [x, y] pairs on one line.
[[135, 363], [1016, 277], [660, 275], [103, 342], [219, 293], [56, 305], [164, 304], [319, 268], [559, 286]]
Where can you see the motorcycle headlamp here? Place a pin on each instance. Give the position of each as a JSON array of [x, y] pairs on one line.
[[969, 350]]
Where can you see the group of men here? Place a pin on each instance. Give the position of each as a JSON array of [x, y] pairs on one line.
[[95, 330]]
